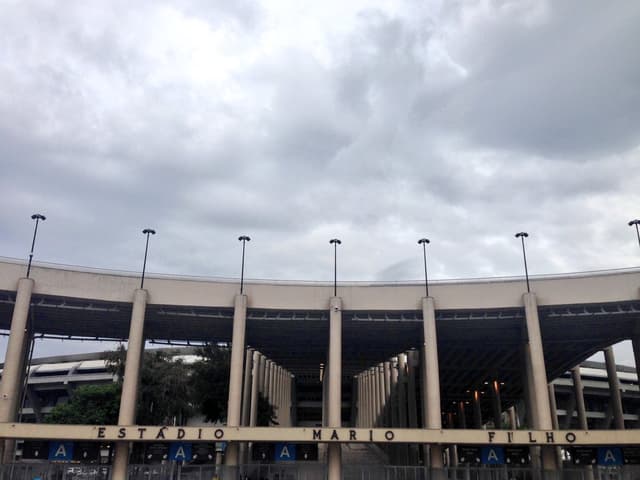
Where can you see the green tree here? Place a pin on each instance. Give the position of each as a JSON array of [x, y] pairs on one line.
[[164, 392], [210, 383], [89, 405]]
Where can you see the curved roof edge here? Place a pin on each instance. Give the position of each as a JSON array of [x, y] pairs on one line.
[[604, 286]]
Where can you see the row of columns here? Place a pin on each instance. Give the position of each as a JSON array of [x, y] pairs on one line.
[[277, 383]]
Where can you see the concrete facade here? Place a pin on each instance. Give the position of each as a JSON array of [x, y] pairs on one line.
[[383, 336]]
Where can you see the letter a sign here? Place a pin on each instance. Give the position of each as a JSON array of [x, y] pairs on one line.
[[180, 452], [609, 456], [285, 452], [60, 451], [492, 455]]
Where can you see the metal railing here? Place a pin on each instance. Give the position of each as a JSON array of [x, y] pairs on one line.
[[308, 471]]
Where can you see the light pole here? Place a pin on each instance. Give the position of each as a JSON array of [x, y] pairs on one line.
[[37, 217], [423, 242], [635, 223], [147, 232], [335, 243], [244, 239], [522, 236]]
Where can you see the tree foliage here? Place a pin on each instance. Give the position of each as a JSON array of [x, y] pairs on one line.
[[89, 405], [164, 391], [211, 386], [170, 391]]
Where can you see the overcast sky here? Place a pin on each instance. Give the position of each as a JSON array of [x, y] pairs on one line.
[[377, 122]]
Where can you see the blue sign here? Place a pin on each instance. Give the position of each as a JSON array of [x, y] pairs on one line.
[[180, 452], [492, 455], [61, 451], [610, 456], [285, 452]]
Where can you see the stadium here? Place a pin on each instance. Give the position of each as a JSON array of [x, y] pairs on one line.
[[468, 379]]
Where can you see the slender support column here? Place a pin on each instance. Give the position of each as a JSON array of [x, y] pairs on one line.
[[268, 385], [412, 363], [379, 371], [431, 378], [403, 450], [355, 398], [262, 374], [294, 402], [554, 420], [531, 412], [334, 454], [376, 396], [411, 389], [394, 450], [387, 392], [614, 389], [325, 396], [255, 391], [14, 364], [462, 415], [496, 403], [477, 410], [395, 420], [247, 387], [581, 410], [513, 418], [129, 397], [578, 391], [234, 402], [255, 383], [246, 400], [371, 397], [358, 399], [539, 393]]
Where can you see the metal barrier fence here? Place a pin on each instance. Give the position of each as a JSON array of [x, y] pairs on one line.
[[307, 471]]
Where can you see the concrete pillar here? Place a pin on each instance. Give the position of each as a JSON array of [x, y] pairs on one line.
[[255, 391], [272, 383], [387, 391], [379, 369], [539, 393], [358, 400], [513, 418], [334, 453], [246, 400], [431, 377], [403, 450], [268, 380], [255, 388], [246, 388], [395, 420], [294, 402], [325, 396], [578, 391], [496, 403], [615, 398], [412, 363], [129, 396], [262, 375], [462, 415], [477, 410], [277, 399], [14, 364], [554, 420], [372, 397], [234, 402], [402, 390]]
